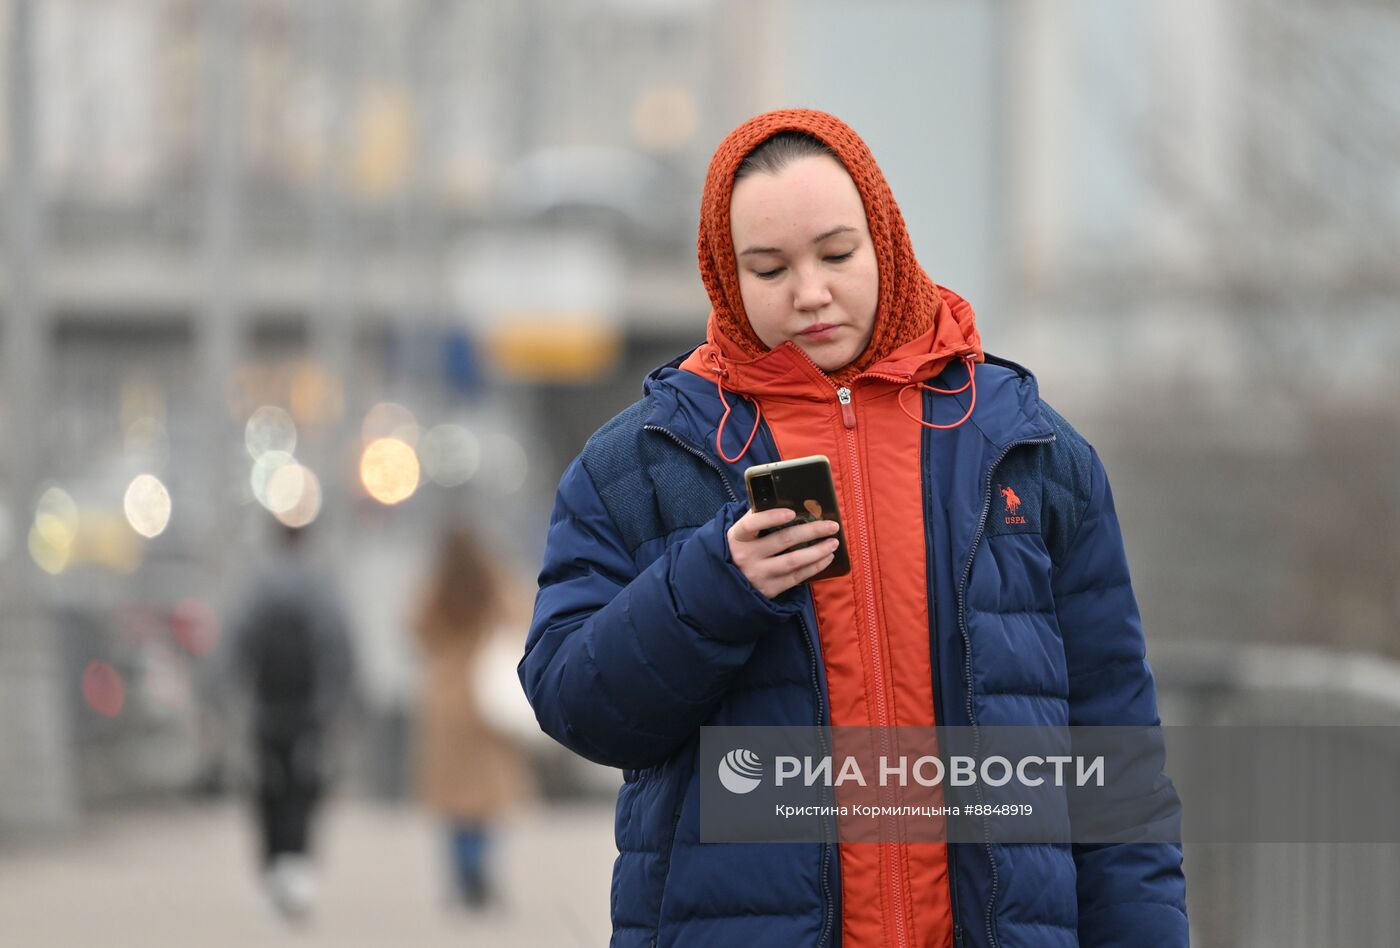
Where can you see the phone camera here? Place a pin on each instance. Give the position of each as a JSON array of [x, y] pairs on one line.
[[763, 490]]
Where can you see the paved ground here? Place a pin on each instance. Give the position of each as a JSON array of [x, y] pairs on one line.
[[182, 876]]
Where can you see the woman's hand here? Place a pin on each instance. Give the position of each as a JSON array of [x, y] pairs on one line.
[[763, 560]]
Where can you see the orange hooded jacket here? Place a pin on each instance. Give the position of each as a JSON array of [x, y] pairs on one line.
[[873, 623]]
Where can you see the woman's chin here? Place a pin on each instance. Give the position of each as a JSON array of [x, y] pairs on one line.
[[827, 358]]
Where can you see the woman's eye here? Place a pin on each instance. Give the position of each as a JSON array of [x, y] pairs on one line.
[[840, 258], [768, 274]]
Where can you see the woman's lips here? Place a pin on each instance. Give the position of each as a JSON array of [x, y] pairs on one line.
[[818, 332]]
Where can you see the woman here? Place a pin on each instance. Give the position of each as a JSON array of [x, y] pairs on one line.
[[662, 608], [467, 773]]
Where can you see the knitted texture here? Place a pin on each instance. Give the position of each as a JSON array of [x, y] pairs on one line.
[[649, 485], [908, 299]]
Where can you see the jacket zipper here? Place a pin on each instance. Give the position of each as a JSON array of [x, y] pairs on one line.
[[846, 402], [967, 660], [890, 850], [937, 663]]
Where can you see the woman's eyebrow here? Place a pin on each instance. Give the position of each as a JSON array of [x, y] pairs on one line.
[[840, 229]]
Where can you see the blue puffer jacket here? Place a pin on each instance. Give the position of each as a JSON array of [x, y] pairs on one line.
[[644, 631]]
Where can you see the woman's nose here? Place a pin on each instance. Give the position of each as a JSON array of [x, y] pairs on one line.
[[812, 291]]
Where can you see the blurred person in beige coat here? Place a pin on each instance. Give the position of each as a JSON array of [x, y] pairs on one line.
[[468, 771]]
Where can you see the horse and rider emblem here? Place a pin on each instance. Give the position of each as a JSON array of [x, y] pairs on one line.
[[1013, 504]]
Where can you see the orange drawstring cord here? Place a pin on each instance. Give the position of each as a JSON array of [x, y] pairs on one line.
[[720, 374], [970, 383]]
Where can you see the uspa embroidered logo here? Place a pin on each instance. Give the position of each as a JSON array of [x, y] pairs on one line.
[[1013, 504], [740, 771]]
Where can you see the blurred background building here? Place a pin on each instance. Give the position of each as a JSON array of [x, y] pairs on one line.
[[379, 264]]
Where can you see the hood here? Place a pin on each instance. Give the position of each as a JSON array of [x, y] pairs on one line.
[[786, 372], [909, 306], [686, 401]]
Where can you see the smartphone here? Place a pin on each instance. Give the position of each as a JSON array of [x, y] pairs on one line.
[[802, 485]]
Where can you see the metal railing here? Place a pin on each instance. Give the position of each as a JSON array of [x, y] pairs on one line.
[[1279, 895]]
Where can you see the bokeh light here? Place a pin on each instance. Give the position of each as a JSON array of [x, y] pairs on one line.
[[390, 420], [294, 495], [269, 429], [264, 467], [103, 689], [55, 530], [450, 455], [147, 505], [389, 470], [56, 502], [50, 551]]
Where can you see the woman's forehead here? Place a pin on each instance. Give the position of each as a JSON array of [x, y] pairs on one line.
[[811, 198]]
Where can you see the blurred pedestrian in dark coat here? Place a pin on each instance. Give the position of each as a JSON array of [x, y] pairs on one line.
[[291, 657]]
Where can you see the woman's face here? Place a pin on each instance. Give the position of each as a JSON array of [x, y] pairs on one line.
[[807, 270]]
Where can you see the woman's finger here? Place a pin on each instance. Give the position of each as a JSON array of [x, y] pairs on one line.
[[790, 563], [804, 573], [788, 537], [747, 528], [821, 564]]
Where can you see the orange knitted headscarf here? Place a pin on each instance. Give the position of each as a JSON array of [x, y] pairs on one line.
[[908, 299]]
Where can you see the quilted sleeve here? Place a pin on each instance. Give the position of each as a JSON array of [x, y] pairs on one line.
[[1131, 895], [623, 665]]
